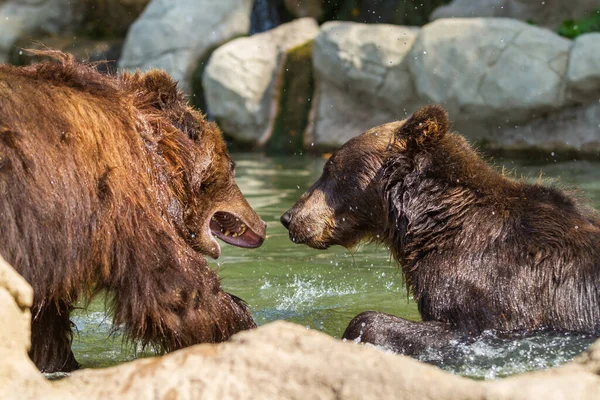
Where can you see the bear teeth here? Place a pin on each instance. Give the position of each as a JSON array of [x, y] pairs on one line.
[[227, 232], [241, 232]]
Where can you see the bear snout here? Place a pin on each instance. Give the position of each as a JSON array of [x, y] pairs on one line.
[[286, 219], [305, 230]]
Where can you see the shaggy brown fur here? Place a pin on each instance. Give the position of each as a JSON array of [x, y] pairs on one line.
[[116, 184], [477, 249]]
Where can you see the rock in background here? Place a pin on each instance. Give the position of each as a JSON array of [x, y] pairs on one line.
[[242, 79], [507, 84], [89, 29], [363, 78], [583, 75], [547, 13], [175, 35], [28, 17], [490, 68]]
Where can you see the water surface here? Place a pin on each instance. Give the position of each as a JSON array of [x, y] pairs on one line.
[[324, 290]]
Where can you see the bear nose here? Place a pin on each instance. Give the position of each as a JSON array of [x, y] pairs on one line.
[[286, 219]]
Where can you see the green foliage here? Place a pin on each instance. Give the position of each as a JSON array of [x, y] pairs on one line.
[[573, 28]]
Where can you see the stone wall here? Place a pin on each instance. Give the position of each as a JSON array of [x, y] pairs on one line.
[[506, 84]]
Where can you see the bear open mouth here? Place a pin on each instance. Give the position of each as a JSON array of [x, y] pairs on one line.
[[233, 230]]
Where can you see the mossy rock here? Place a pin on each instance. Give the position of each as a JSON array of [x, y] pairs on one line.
[[197, 99], [295, 97]]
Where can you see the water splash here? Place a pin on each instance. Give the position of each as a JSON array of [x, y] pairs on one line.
[[491, 357], [302, 293]]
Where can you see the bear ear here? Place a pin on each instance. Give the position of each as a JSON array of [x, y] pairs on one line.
[[161, 87], [427, 124]]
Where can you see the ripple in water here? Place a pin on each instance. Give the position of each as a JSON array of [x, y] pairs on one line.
[[491, 357]]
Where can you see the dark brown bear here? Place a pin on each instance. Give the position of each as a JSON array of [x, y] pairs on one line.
[[477, 249], [115, 184]]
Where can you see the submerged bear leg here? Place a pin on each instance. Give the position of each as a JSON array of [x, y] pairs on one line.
[[51, 337], [399, 335]]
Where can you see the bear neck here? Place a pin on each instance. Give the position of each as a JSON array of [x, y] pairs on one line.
[[431, 195]]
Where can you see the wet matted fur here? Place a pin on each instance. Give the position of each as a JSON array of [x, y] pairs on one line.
[[478, 250], [112, 183]]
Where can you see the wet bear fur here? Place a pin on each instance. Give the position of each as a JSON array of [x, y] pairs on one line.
[[107, 184], [478, 250]]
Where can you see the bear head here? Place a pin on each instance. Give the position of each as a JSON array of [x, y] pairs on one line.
[[346, 204], [210, 204]]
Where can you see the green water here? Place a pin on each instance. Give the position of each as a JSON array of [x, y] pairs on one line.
[[323, 290]]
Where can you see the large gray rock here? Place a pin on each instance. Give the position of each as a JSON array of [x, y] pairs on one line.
[[484, 68], [544, 13], [26, 17], [574, 127], [583, 76], [174, 35], [366, 59], [506, 83], [341, 115], [363, 78], [239, 79]]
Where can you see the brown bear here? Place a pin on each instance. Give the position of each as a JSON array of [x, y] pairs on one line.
[[115, 184], [478, 250]]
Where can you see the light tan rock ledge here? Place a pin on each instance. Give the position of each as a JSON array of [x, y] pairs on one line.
[[276, 361]]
